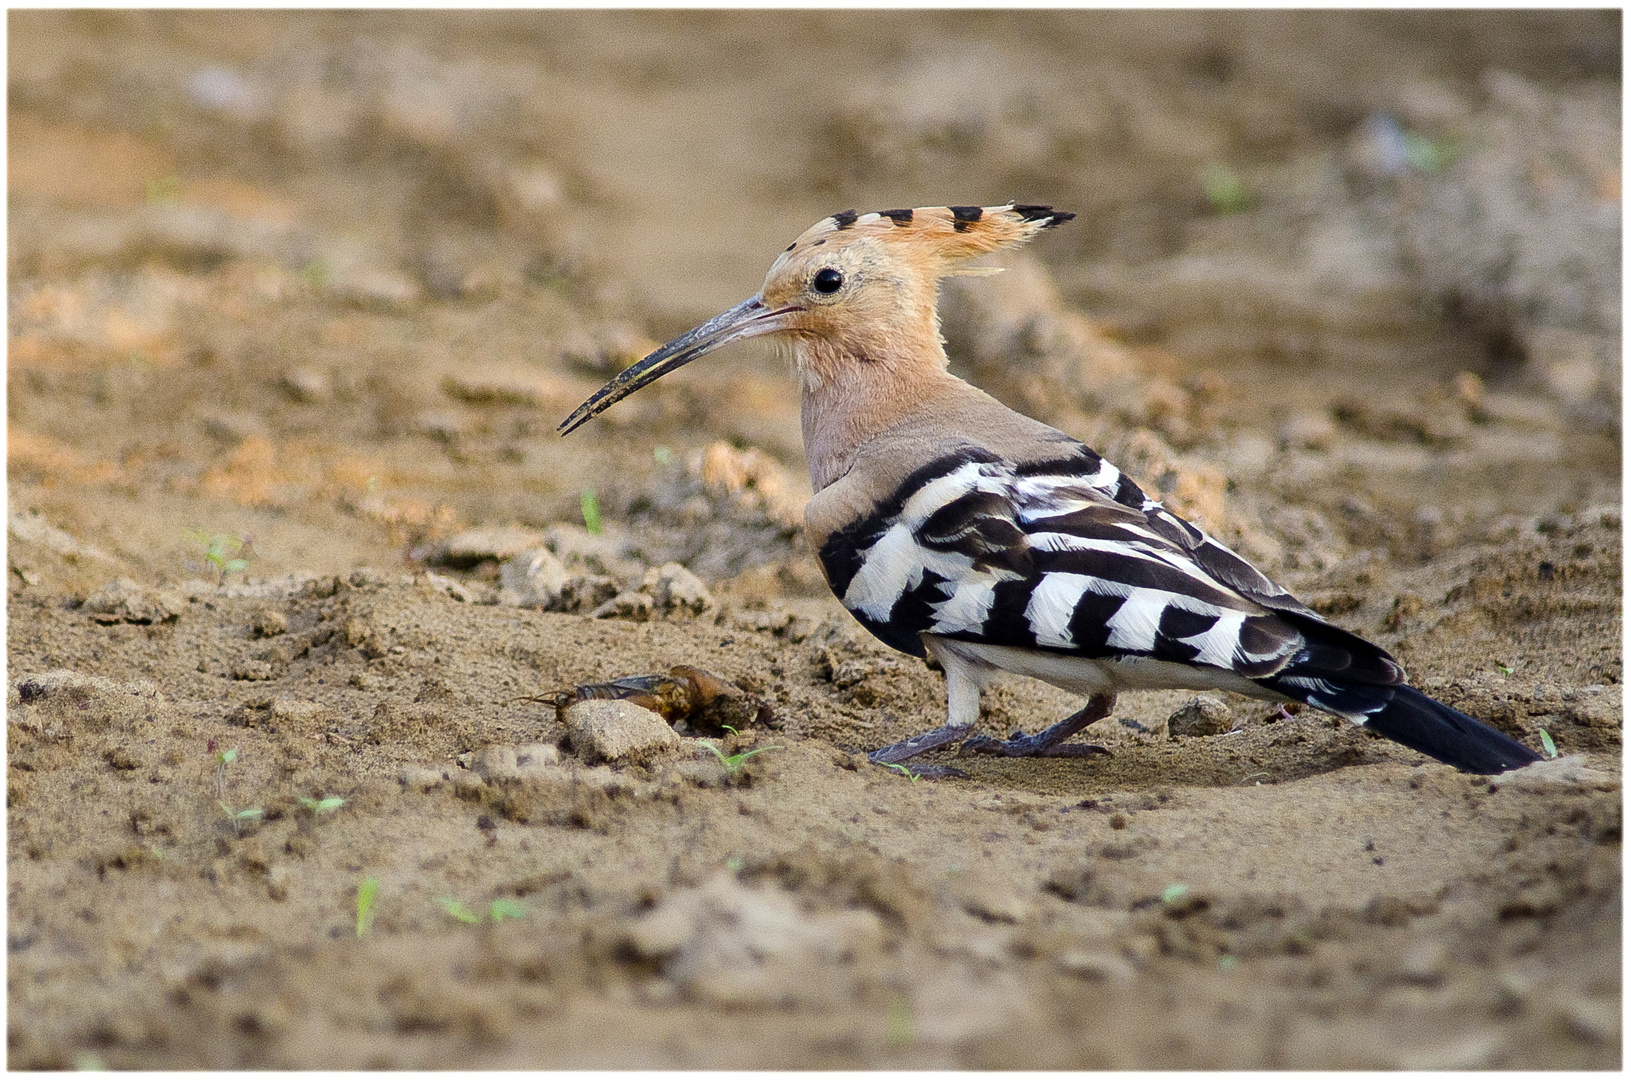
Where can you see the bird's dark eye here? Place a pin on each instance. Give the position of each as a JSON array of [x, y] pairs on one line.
[[828, 280]]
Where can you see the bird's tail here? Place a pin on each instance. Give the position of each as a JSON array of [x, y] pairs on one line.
[[1410, 717], [1440, 732]]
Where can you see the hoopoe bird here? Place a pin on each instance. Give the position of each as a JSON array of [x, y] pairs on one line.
[[952, 526]]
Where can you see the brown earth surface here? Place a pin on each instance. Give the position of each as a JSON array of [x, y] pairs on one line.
[[296, 301]]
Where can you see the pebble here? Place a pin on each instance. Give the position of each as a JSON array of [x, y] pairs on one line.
[[252, 671], [675, 589], [625, 605], [269, 622], [124, 600], [604, 552], [458, 590], [1094, 966], [420, 778], [498, 542], [617, 731], [503, 762], [1547, 777], [1203, 714], [31, 688], [731, 945], [988, 900], [534, 577], [298, 714], [305, 385], [1423, 962]]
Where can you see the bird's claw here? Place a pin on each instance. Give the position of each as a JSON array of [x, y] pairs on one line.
[[915, 773], [1028, 746]]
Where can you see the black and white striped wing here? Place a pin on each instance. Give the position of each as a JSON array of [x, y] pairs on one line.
[[1070, 556]]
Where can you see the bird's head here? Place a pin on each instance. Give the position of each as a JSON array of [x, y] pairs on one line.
[[855, 289]]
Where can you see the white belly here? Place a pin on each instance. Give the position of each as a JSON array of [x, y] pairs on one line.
[[1086, 675]]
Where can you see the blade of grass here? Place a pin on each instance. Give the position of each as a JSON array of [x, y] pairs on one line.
[[367, 893]]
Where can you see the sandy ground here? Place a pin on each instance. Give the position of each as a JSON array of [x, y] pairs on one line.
[[295, 304]]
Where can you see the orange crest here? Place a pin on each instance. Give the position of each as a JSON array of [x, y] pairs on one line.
[[942, 234]]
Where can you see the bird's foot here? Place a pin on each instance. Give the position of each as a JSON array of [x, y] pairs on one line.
[[916, 772], [895, 753], [1050, 742], [1029, 746]]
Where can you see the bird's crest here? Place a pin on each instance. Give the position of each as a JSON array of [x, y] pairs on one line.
[[944, 234]]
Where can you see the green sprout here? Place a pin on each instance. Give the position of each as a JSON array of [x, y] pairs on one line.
[[591, 511], [733, 763], [367, 893], [663, 455], [1174, 892], [456, 909], [1547, 744], [238, 818], [1227, 962], [222, 551], [1225, 191], [89, 1061], [1503, 669], [904, 771], [735, 864], [326, 805], [497, 911], [502, 909]]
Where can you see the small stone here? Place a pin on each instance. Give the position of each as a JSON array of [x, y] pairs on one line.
[[535, 577], [497, 542], [625, 605], [674, 589], [1548, 777], [455, 588], [729, 945], [499, 762], [277, 882], [1204, 714], [269, 622], [987, 899], [294, 715], [252, 671], [605, 552], [1094, 966], [617, 731], [1142, 949], [420, 778], [467, 785], [1423, 962], [124, 600], [305, 385]]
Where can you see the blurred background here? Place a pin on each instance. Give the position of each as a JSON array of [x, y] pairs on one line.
[[353, 267]]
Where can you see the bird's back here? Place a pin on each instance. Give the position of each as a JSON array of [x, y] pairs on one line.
[[973, 523]]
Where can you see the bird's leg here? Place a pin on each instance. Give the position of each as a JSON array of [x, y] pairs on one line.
[[1047, 743], [962, 709]]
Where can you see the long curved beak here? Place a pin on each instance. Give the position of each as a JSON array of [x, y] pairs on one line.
[[748, 319]]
